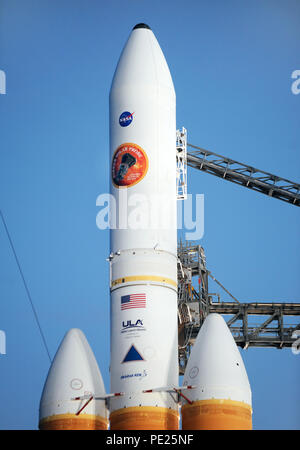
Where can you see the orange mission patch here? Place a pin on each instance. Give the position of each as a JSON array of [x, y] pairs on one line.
[[129, 165]]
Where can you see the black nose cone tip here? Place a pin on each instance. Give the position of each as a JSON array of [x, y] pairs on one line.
[[141, 25]]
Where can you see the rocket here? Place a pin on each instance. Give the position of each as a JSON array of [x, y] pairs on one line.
[[143, 284], [221, 399], [143, 258], [73, 380]]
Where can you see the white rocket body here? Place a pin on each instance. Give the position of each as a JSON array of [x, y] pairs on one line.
[[144, 351], [74, 372], [222, 397]]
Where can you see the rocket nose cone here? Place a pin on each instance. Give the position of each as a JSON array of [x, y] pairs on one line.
[[141, 25], [214, 322], [222, 394], [215, 364], [142, 65], [73, 372], [215, 318], [74, 333]]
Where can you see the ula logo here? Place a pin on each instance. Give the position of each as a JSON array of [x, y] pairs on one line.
[[125, 119], [130, 326]]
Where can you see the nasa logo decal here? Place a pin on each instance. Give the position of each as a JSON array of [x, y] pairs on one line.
[[129, 165], [125, 118]]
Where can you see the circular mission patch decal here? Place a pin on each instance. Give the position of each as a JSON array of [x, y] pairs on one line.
[[129, 165]]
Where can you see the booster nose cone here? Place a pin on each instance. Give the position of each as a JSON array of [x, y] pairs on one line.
[[73, 373], [222, 396]]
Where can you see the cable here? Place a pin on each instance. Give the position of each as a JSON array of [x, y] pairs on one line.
[[26, 287], [218, 282]]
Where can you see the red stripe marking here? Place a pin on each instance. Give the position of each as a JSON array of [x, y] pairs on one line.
[[81, 409], [181, 394]]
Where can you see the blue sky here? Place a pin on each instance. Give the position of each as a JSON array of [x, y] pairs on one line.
[[231, 64]]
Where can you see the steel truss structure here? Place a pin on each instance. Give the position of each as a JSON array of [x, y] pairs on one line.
[[270, 328], [244, 175]]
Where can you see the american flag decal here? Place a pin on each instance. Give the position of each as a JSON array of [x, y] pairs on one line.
[[133, 301]]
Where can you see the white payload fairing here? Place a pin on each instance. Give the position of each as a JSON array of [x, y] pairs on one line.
[[143, 284], [144, 349]]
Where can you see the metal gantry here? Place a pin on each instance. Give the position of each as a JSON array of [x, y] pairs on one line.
[[195, 303], [270, 328], [244, 175], [231, 170], [181, 164]]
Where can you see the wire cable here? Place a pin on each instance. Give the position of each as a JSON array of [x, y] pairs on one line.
[[25, 285]]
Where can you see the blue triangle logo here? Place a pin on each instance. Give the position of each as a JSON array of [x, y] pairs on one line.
[[132, 355]]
